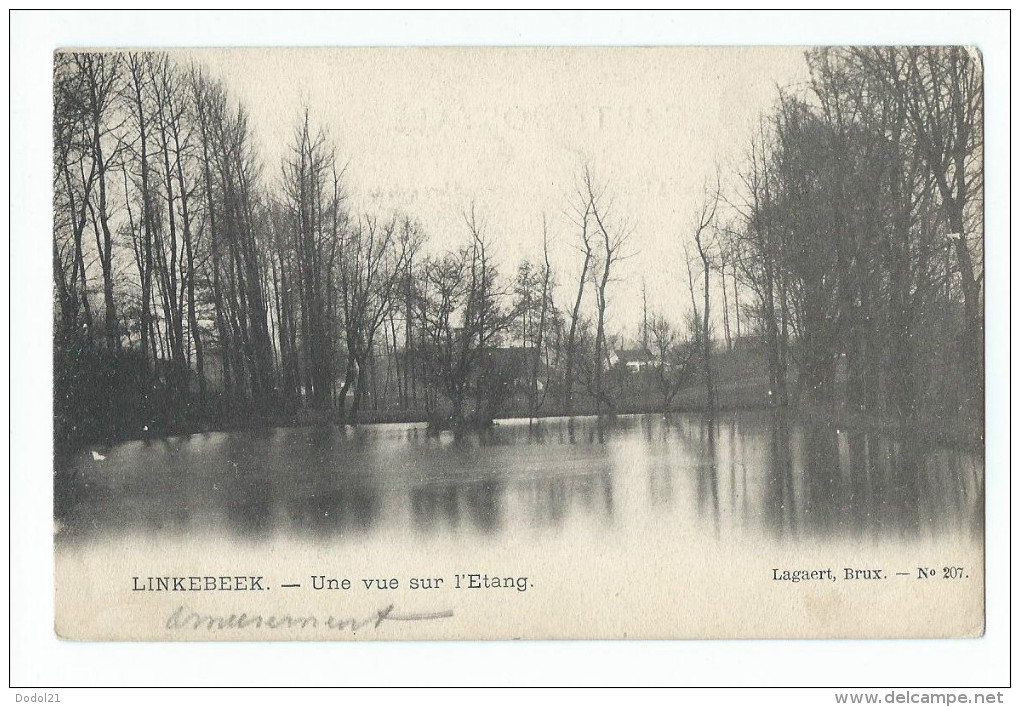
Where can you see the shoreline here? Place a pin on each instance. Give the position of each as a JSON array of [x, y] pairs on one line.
[[959, 436]]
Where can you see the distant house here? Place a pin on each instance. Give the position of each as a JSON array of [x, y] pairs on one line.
[[634, 360]]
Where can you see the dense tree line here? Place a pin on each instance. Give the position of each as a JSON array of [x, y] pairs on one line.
[[859, 233], [194, 286]]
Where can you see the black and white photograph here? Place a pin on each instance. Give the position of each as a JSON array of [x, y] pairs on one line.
[[476, 342], [517, 319]]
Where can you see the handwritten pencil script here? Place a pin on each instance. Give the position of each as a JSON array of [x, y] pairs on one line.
[[183, 619]]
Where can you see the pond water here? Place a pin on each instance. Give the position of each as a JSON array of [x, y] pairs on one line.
[[744, 477]]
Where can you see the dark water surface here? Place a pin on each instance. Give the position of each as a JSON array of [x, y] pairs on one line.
[[747, 475]]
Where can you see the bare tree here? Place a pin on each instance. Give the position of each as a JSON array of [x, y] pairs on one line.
[[703, 231], [317, 227], [615, 236], [723, 262], [102, 75], [541, 340], [581, 218], [756, 251], [136, 92], [463, 318], [941, 90], [73, 187], [209, 101], [673, 357], [533, 303], [370, 274]]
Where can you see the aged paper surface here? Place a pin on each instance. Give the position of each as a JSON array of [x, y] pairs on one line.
[[518, 343]]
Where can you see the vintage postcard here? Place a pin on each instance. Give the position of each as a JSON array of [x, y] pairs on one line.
[[500, 343]]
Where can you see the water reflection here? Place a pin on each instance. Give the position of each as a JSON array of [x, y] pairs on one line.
[[747, 474], [475, 503]]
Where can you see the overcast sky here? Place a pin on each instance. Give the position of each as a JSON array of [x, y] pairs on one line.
[[428, 131]]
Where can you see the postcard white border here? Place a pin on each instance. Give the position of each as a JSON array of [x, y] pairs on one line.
[[38, 658]]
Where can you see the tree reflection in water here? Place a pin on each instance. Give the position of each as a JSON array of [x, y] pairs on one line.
[[742, 474]]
